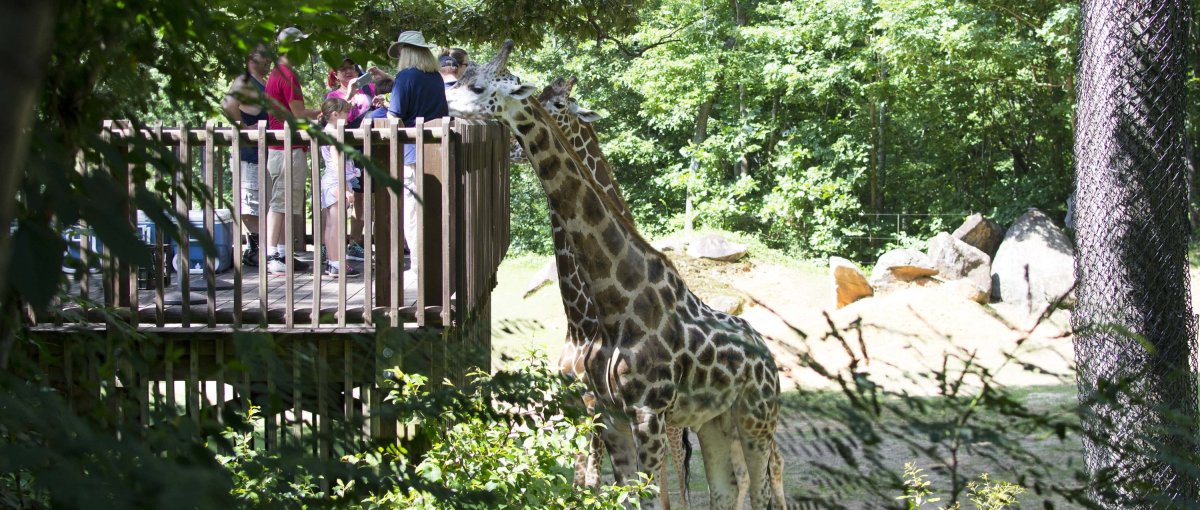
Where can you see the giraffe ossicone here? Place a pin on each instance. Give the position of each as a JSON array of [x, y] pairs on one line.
[[662, 356]]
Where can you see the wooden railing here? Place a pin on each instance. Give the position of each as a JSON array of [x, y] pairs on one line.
[[463, 233]]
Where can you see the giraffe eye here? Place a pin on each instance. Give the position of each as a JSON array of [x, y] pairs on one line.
[[558, 104], [476, 89]]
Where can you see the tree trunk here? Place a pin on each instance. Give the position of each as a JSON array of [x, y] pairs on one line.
[[26, 29], [698, 137], [1135, 333]]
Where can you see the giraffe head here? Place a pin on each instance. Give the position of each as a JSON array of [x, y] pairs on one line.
[[557, 100], [489, 91]]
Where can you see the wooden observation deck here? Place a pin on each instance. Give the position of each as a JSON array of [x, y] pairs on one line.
[[330, 340]]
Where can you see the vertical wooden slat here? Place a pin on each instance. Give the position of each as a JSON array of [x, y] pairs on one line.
[[348, 367], [318, 238], [419, 246], [395, 206], [108, 278], [219, 356], [210, 182], [325, 448], [264, 211], [128, 272], [235, 164], [449, 179], [288, 226], [270, 428], [169, 375], [192, 390], [182, 205], [297, 406], [244, 395], [368, 143], [340, 230], [160, 251]]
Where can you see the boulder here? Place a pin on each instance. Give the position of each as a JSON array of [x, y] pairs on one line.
[[729, 304], [900, 266], [982, 233], [547, 275], [715, 247], [1035, 264], [955, 259], [965, 289], [849, 283]]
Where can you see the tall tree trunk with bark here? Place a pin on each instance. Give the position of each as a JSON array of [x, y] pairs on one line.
[[1135, 334], [698, 136], [26, 33]]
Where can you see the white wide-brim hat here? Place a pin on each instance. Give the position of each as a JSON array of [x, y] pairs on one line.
[[411, 38]]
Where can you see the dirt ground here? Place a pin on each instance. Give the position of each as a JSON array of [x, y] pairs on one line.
[[897, 339]]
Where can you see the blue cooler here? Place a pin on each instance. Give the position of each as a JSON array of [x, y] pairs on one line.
[[222, 238]]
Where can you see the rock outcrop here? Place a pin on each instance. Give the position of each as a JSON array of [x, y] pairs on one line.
[[899, 267], [981, 233], [1035, 264], [955, 259], [715, 247], [849, 283]]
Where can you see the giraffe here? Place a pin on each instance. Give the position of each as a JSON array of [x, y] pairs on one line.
[[575, 123], [664, 357]]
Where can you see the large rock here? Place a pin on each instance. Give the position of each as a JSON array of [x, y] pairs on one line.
[[849, 284], [547, 275], [965, 289], [955, 259], [1035, 264], [981, 233], [715, 247], [899, 267], [731, 305]]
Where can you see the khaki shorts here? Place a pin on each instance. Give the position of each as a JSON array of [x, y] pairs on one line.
[[275, 184], [249, 197]]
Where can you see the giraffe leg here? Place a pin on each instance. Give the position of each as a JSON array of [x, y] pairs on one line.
[[740, 473], [715, 438], [664, 496], [650, 433], [776, 473], [587, 465], [617, 436]]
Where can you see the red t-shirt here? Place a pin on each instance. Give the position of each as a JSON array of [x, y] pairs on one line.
[[284, 87]]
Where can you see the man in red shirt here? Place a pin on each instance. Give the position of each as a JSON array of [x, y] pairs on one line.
[[287, 97]]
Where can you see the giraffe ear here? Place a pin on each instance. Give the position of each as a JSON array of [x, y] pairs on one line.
[[523, 91], [588, 115]]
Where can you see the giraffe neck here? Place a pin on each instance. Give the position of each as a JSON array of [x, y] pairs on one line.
[[626, 276], [584, 141]]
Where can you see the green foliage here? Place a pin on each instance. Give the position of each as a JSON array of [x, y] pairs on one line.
[[521, 452], [530, 219], [949, 107], [984, 493]]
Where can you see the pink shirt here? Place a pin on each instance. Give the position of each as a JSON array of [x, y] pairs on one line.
[[283, 87], [359, 104]]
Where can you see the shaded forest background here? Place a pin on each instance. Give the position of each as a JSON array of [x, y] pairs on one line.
[[805, 123]]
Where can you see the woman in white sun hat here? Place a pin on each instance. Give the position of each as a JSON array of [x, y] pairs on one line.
[[418, 91]]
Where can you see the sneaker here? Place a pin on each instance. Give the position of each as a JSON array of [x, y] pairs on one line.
[[354, 251], [333, 272], [250, 256], [277, 265]]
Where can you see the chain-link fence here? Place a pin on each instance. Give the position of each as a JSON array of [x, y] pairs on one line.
[[1135, 335]]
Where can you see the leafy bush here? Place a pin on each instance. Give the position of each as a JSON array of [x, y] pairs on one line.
[[501, 441], [984, 493]]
